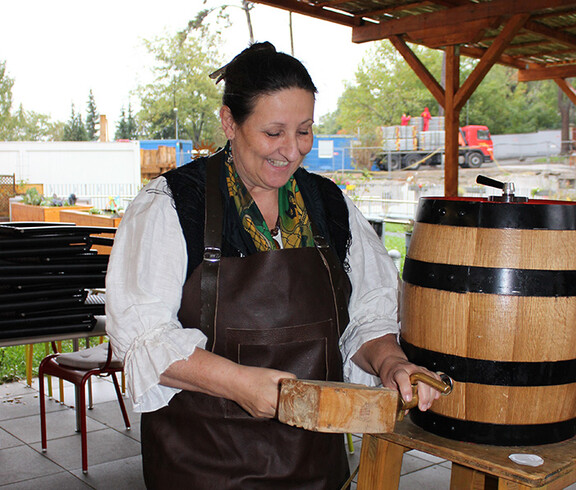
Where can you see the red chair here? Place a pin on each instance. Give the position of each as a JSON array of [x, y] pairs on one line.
[[77, 368]]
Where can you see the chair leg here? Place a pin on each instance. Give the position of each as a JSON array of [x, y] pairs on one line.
[[48, 378], [81, 410], [120, 401], [29, 362], [42, 409]]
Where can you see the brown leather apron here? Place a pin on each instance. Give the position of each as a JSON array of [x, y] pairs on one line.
[[275, 309]]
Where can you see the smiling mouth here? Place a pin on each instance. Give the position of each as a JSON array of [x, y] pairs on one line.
[[277, 163]]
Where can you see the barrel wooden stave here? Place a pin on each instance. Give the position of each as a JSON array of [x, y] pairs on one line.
[[463, 324], [500, 329], [489, 247]]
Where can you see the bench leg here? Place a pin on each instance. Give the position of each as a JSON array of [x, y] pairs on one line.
[[464, 478], [380, 464]]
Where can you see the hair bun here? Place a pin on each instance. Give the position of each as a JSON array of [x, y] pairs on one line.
[[265, 46]]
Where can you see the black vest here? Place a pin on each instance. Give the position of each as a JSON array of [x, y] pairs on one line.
[[323, 199]]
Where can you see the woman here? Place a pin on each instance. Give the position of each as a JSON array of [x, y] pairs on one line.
[[236, 271]]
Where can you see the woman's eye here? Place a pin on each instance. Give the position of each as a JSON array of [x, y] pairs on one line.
[[304, 132], [272, 135]]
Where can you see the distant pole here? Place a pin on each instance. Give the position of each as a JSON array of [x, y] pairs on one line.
[[291, 33], [176, 120]]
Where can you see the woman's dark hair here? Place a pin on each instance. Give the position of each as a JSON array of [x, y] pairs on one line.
[[260, 70]]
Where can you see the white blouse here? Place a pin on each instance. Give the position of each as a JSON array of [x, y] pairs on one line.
[[147, 271]]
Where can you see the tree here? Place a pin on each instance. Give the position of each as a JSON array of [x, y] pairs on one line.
[[385, 87], [127, 128], [6, 84], [202, 15], [92, 118], [22, 125], [74, 129], [183, 64]]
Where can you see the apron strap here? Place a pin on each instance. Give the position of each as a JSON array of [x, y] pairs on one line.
[[212, 251], [335, 269]]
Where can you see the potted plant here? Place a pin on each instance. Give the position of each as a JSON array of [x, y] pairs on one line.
[[35, 207]]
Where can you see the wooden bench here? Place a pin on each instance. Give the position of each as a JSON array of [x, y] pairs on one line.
[[474, 466]]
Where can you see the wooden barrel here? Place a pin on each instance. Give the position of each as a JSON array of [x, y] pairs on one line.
[[489, 297]]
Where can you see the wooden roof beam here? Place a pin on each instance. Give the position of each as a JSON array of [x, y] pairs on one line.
[[551, 33], [419, 69], [489, 59], [469, 32], [506, 60], [546, 73], [567, 89], [391, 10], [313, 11], [456, 15]]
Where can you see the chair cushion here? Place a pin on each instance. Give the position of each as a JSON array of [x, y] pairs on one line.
[[86, 359]]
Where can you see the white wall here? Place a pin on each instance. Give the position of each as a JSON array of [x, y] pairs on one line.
[[92, 171], [71, 162], [541, 143]]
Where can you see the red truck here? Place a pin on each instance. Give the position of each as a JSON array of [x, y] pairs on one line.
[[408, 147]]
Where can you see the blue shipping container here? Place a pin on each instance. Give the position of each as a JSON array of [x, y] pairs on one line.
[[184, 148], [330, 152]]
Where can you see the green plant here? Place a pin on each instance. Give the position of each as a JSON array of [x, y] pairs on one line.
[[341, 178], [32, 197], [13, 360]]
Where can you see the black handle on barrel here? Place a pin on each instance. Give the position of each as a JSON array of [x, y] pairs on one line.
[[483, 180]]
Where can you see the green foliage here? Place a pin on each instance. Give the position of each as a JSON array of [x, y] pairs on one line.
[[183, 63], [92, 119], [13, 360], [6, 84], [385, 87], [33, 198], [127, 128], [507, 106], [22, 125], [74, 129]]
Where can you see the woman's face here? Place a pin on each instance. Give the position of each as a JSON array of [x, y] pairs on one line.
[[271, 143]]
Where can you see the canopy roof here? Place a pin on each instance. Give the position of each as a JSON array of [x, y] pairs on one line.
[[537, 37], [545, 46]]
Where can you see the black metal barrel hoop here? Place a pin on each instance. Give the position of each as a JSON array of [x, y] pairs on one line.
[[489, 297]]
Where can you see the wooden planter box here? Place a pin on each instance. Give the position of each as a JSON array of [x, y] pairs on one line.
[[82, 218], [50, 214]]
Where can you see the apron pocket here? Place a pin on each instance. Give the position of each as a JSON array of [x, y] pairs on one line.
[[300, 349]]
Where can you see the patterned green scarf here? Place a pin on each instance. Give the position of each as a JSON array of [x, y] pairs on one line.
[[293, 217]]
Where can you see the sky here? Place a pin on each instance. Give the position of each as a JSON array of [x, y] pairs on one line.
[[57, 51]]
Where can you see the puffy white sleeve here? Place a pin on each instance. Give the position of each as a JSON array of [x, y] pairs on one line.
[[146, 273], [373, 305]]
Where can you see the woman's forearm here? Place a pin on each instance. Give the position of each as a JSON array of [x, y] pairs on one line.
[[254, 389]]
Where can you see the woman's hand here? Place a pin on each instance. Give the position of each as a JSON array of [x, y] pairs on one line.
[[383, 357], [255, 389]]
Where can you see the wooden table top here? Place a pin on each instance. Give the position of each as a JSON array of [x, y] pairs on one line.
[[559, 458]]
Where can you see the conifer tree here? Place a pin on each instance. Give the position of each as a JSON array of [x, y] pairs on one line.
[[74, 129], [127, 128], [92, 119], [121, 128]]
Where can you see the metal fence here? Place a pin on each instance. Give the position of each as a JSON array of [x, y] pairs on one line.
[[97, 195]]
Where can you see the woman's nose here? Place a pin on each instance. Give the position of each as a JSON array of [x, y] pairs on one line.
[[290, 148]]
